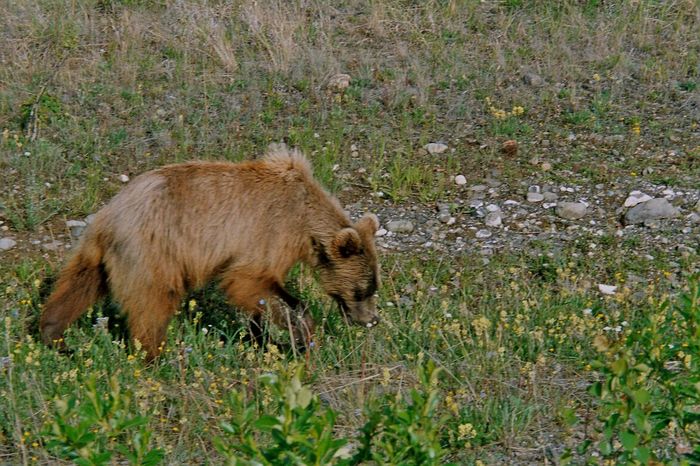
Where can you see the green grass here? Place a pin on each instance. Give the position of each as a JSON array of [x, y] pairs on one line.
[[90, 90]]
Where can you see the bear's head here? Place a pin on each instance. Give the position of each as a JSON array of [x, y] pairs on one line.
[[349, 271]]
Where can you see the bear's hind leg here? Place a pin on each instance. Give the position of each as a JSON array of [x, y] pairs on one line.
[[149, 315]]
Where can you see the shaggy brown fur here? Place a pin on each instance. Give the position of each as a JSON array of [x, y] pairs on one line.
[[246, 224]]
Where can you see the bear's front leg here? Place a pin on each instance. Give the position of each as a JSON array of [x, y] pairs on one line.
[[267, 297]]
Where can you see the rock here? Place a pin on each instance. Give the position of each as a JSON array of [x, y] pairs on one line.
[[478, 188], [435, 148], [651, 210], [7, 243], [636, 197], [571, 210], [460, 180], [381, 232], [400, 226], [339, 82], [510, 147], [697, 207], [445, 217], [694, 218], [546, 166], [76, 227], [493, 182], [123, 178], [52, 245], [493, 219], [550, 196], [615, 138], [607, 289], [483, 234], [535, 197], [533, 79]]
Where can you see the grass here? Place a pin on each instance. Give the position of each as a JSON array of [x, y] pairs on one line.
[[90, 90]]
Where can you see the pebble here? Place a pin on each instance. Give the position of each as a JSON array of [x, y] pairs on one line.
[[482, 234], [493, 219], [52, 245], [76, 227], [549, 196], [435, 148], [546, 166], [444, 217], [535, 197], [339, 81], [7, 243], [533, 79], [123, 178], [460, 180], [636, 197], [607, 289], [571, 210], [400, 226], [650, 211], [381, 232]]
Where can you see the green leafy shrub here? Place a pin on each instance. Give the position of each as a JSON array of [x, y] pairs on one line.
[[296, 429], [92, 430], [649, 394]]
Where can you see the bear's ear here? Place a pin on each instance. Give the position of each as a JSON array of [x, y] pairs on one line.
[[346, 243], [368, 223]]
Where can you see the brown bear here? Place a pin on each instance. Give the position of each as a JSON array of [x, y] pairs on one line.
[[244, 224]]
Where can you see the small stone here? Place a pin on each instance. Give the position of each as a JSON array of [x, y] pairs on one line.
[[400, 226], [478, 188], [7, 243], [694, 218], [123, 178], [493, 208], [435, 148], [636, 197], [381, 232], [76, 227], [607, 289], [550, 196], [483, 234], [533, 79], [535, 197], [460, 180], [493, 220], [546, 166], [52, 245], [571, 210], [651, 211], [339, 81], [510, 147], [444, 217], [493, 182], [697, 207]]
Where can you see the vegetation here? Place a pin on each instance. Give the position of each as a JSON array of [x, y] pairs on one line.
[[518, 359]]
